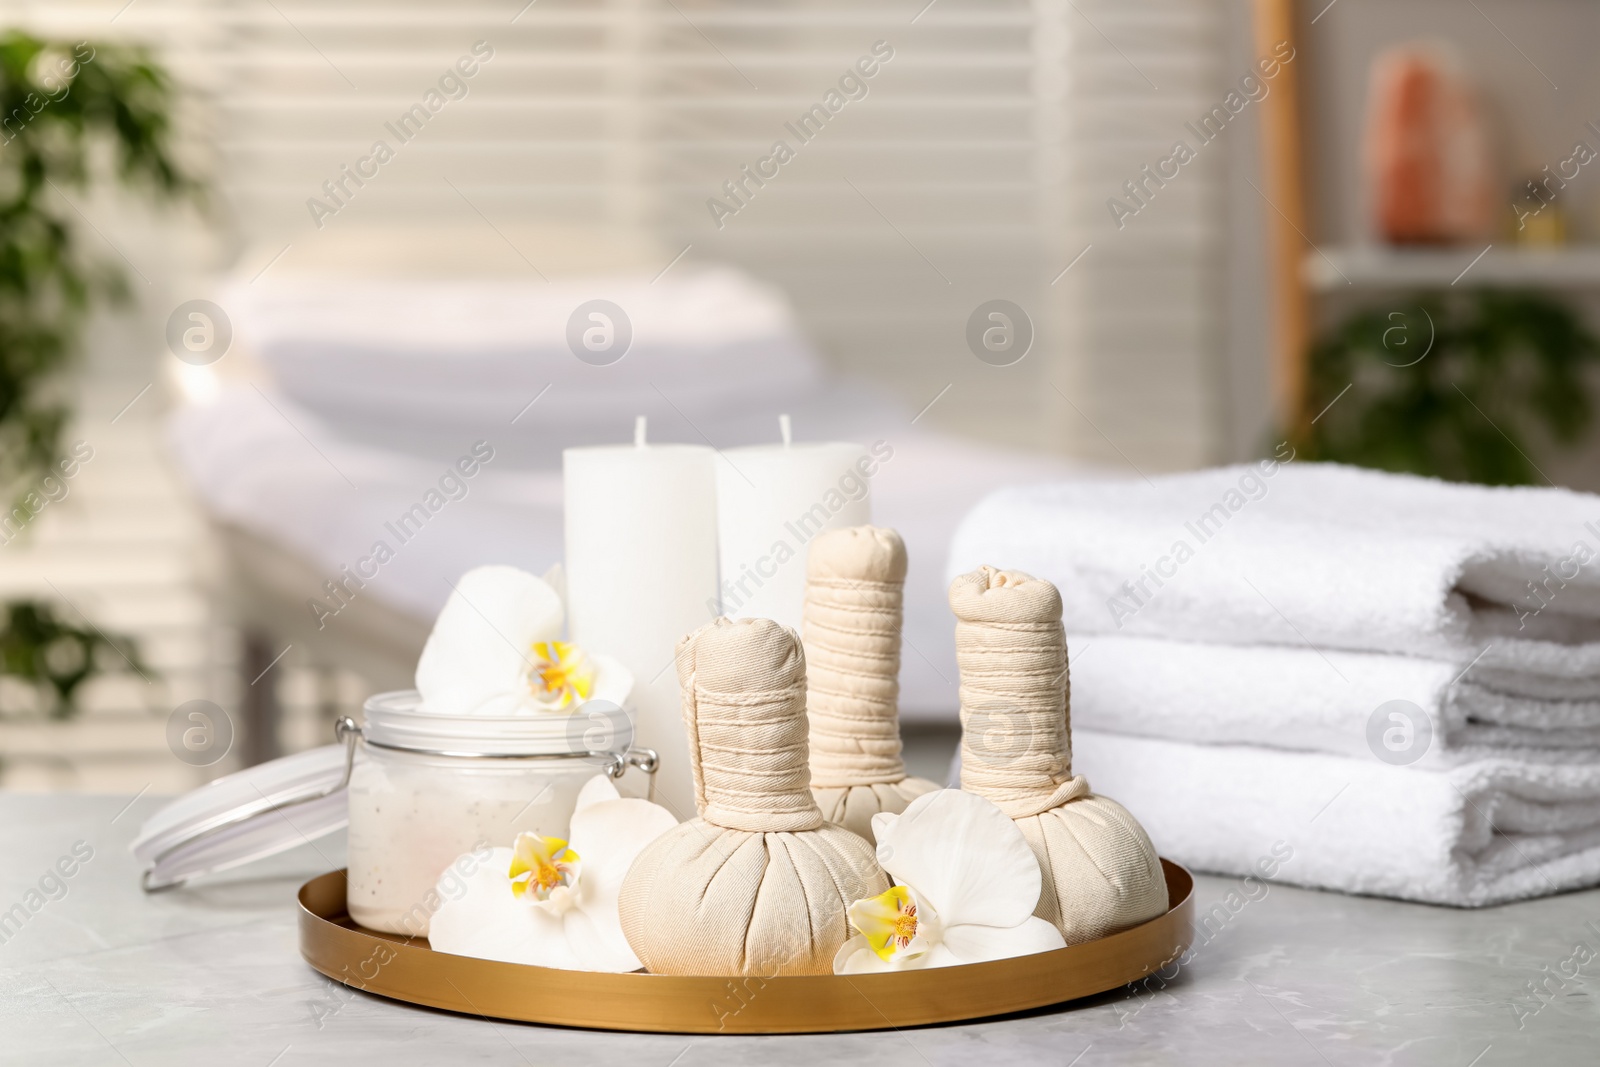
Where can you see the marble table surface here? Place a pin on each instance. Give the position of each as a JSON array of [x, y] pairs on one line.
[[103, 974]]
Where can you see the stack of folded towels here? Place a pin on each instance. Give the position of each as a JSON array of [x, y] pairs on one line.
[[1394, 680]]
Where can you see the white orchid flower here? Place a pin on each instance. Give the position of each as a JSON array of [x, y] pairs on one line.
[[549, 902], [495, 649], [967, 884]]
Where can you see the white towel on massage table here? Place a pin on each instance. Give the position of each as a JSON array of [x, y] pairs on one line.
[[245, 455], [476, 349]]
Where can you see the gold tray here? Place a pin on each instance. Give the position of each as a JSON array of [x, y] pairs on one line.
[[407, 969]]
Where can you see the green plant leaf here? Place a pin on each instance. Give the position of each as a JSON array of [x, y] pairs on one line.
[[1500, 363]]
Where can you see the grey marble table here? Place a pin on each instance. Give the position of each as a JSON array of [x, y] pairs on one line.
[[103, 974]]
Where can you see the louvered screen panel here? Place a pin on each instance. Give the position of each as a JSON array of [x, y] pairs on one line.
[[1145, 309]]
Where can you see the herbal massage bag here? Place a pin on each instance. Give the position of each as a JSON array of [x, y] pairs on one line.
[[855, 581], [759, 883], [1101, 873]]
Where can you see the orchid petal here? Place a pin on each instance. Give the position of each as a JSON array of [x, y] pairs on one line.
[[577, 925], [481, 917], [894, 923], [561, 675], [543, 871], [971, 943], [598, 944], [477, 658], [613, 832], [556, 578], [613, 683], [856, 956], [962, 855], [595, 790]]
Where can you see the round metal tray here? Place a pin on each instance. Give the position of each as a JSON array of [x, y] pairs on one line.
[[407, 969]]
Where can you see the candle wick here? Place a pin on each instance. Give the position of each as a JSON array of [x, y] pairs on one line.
[[786, 430], [638, 432]]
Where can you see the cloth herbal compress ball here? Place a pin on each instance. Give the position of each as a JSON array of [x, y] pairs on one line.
[[966, 884], [495, 650], [855, 581], [1101, 874], [759, 883], [547, 901]]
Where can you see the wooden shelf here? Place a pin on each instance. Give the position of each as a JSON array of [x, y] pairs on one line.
[[1377, 267]]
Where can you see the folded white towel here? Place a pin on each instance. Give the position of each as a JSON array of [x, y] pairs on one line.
[[1478, 834], [1322, 556], [1299, 698]]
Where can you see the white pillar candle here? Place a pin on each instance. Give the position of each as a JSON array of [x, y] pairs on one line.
[[771, 501], [641, 563]]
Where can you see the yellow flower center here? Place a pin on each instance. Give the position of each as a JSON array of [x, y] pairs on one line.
[[889, 923], [542, 868], [561, 673]]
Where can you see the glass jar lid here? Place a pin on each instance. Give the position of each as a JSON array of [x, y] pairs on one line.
[[248, 815], [274, 806], [398, 720]]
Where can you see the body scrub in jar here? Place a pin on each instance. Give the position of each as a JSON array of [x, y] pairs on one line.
[[505, 726]]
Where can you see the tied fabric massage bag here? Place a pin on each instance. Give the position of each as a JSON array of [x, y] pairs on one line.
[[855, 582], [1101, 873], [760, 883]]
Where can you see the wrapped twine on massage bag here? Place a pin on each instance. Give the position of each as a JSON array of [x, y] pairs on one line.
[[1101, 873], [759, 883], [855, 581]]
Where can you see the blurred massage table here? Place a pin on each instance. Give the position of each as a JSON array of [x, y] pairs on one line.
[[366, 369]]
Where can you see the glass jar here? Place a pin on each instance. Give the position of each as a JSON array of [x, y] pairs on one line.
[[426, 789]]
